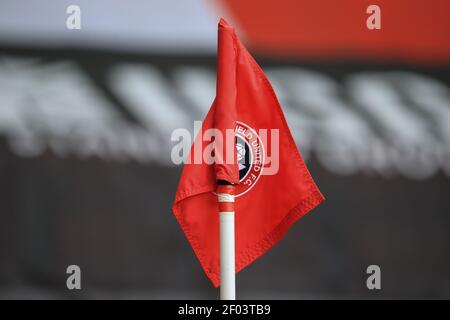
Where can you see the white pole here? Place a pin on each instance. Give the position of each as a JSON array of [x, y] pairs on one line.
[[227, 270]]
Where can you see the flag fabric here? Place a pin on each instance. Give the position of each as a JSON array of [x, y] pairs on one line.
[[273, 187]]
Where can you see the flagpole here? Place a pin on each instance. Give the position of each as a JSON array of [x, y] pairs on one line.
[[225, 194]]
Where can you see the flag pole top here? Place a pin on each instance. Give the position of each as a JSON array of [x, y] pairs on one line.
[[224, 24]]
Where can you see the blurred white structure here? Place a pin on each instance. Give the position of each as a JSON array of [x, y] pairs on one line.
[[150, 25]]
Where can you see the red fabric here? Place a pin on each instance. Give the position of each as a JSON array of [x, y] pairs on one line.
[[226, 206], [265, 211], [225, 189]]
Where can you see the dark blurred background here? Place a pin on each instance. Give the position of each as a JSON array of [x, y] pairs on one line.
[[85, 123]]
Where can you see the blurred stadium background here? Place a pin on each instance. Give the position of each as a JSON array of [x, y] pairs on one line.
[[85, 123]]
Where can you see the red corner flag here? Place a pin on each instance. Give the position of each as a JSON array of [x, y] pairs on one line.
[[273, 186]]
